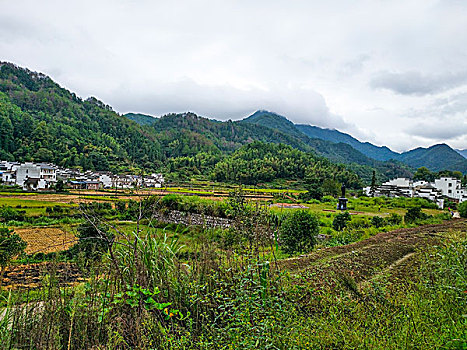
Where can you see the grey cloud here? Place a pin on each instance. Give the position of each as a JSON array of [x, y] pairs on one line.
[[310, 61], [433, 130], [415, 83], [226, 102], [444, 119]]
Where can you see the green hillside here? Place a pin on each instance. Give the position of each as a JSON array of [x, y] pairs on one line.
[[40, 121], [368, 149], [259, 162], [435, 158], [141, 119]]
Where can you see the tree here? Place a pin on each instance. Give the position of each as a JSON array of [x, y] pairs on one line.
[[59, 186], [93, 240], [298, 232], [340, 221], [463, 209], [373, 184], [11, 245], [424, 174], [377, 221], [413, 214]]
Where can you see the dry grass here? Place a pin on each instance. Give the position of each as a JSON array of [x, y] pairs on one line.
[[46, 239]]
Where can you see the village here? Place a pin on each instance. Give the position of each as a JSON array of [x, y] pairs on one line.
[[45, 176], [437, 191]]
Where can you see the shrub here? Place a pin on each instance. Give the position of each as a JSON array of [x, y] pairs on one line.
[[328, 199], [93, 241], [394, 219], [359, 222], [377, 221], [11, 245], [414, 214], [298, 232], [463, 209], [7, 213], [340, 221]]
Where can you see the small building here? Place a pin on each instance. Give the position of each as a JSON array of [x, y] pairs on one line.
[[85, 185]]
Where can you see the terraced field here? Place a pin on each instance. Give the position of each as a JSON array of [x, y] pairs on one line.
[[391, 254]]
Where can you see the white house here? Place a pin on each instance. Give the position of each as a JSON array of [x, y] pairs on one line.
[[35, 176]]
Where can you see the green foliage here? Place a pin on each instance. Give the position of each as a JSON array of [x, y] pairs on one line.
[[11, 245], [414, 214], [424, 174], [463, 209], [8, 213], [341, 220], [394, 219], [377, 221], [260, 162], [93, 240], [40, 121], [60, 186], [298, 232]]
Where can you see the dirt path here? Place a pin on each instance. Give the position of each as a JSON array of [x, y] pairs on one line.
[[391, 253]]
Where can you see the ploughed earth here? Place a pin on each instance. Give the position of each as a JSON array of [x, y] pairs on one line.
[[390, 254], [31, 275]]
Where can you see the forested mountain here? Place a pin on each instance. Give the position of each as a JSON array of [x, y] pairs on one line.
[[462, 152], [368, 149], [141, 119], [40, 121], [180, 134], [435, 158], [265, 162], [330, 143]]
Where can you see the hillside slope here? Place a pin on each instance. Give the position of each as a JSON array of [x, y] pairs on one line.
[[368, 149], [141, 119], [435, 158], [40, 121]]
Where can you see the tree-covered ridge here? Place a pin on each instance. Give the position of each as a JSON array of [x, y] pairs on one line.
[[141, 119], [436, 158], [40, 121], [223, 136], [265, 162]]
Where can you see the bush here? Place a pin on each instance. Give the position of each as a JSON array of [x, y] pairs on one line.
[[359, 222], [328, 199], [394, 219], [463, 209], [93, 241], [340, 221], [7, 213], [377, 221], [298, 232], [414, 214]]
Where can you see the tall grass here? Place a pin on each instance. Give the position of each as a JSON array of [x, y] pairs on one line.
[[142, 296]]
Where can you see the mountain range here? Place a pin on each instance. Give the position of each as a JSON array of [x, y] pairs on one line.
[[41, 121], [344, 148], [462, 152]]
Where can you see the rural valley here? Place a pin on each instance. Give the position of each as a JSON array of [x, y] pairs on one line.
[[233, 175]]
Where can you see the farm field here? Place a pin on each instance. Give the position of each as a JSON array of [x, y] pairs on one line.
[[237, 281], [46, 239]]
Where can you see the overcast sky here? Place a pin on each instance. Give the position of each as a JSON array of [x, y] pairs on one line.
[[392, 72]]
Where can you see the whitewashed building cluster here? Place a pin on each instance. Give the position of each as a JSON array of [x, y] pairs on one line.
[[437, 191], [42, 176]]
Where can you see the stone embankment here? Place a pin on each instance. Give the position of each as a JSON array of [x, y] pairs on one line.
[[179, 217]]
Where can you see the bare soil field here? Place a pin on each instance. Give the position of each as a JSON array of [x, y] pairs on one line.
[[29, 276], [389, 253], [46, 239]]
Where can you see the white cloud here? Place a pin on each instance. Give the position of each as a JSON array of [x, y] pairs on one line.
[[311, 61]]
